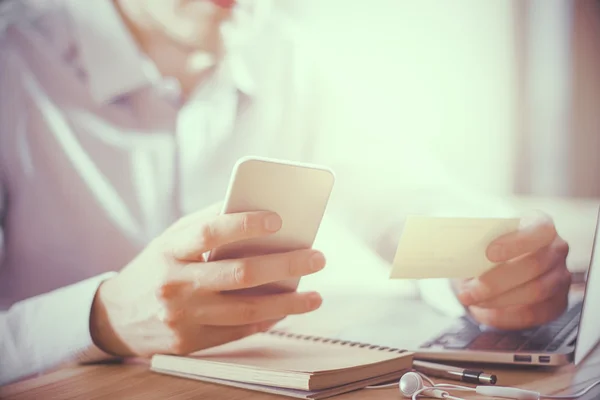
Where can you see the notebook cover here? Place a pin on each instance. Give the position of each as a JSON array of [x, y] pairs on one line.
[[312, 363], [294, 393]]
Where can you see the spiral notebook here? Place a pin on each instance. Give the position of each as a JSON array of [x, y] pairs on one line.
[[288, 364]]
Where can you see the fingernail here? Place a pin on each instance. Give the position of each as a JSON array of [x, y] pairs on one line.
[[496, 252], [314, 300], [317, 262], [273, 223]]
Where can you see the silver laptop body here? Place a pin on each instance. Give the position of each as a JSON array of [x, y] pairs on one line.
[[568, 339]]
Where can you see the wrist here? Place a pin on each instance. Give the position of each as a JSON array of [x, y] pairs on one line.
[[105, 319]]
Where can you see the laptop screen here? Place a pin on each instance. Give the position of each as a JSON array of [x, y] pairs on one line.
[[589, 325]]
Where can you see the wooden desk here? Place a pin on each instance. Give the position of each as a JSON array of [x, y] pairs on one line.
[[135, 381], [373, 299]]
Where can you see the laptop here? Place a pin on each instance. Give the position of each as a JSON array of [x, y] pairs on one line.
[[570, 338]]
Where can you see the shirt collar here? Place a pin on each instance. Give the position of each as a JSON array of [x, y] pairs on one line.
[[114, 64]]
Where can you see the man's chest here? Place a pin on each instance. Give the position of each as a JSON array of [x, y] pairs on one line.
[[98, 186], [126, 165], [89, 183]]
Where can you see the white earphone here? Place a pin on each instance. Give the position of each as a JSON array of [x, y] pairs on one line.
[[412, 384]]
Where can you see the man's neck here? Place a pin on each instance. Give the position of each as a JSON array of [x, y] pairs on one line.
[[173, 57]]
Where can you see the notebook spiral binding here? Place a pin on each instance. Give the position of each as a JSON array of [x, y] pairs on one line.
[[322, 339]]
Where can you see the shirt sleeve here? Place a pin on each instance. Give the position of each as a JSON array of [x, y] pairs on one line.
[[46, 331], [382, 176]]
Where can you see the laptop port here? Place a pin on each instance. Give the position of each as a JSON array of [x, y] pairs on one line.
[[544, 359], [520, 358]]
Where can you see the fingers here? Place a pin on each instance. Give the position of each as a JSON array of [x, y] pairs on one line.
[[522, 316], [554, 282], [503, 278], [185, 221], [231, 310], [251, 272], [514, 273], [180, 306], [529, 239], [195, 338], [207, 233], [521, 293]]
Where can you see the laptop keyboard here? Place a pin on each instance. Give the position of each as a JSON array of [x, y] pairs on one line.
[[468, 336]]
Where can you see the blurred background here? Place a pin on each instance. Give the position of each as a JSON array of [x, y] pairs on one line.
[[505, 93], [503, 96], [498, 96]]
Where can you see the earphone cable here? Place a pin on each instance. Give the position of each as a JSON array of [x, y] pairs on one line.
[[436, 390], [439, 395], [453, 398], [395, 384], [574, 395], [427, 379], [454, 387]]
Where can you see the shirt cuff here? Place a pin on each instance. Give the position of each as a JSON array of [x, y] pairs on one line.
[[65, 316], [86, 351], [49, 330]]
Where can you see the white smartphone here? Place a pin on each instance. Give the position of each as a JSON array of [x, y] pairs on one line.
[[297, 192]]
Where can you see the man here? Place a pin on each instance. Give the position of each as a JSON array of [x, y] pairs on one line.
[[119, 120]]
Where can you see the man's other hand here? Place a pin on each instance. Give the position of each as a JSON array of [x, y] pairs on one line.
[[529, 286]]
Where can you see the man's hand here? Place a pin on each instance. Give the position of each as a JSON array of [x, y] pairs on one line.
[[531, 284], [169, 300]]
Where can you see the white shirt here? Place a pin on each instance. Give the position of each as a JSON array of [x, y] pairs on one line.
[[98, 155]]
